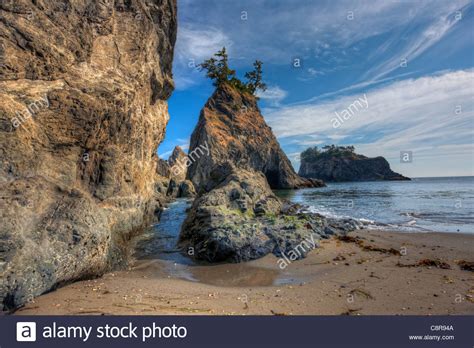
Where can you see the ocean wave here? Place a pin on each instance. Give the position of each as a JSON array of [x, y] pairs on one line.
[[332, 215], [441, 217]]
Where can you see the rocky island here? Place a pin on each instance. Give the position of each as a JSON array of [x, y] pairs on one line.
[[341, 163]]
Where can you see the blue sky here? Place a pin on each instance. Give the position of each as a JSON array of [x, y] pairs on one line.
[[412, 60]]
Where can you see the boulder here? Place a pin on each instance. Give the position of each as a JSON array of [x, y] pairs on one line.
[[186, 189], [238, 218]]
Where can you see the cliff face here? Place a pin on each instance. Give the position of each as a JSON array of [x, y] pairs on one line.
[[351, 167], [83, 90], [231, 128]]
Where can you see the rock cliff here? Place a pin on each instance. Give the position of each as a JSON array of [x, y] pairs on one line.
[[231, 128], [83, 106], [340, 164]]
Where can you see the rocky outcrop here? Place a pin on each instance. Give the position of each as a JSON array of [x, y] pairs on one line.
[[231, 128], [83, 90], [238, 218], [171, 176], [179, 187], [177, 164], [186, 189], [347, 166], [163, 168]]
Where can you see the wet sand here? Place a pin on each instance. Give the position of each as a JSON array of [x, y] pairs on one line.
[[355, 277]]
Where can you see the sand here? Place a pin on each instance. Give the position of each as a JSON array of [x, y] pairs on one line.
[[339, 278]]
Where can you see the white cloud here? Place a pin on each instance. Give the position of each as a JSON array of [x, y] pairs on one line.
[[310, 30], [273, 94], [314, 72], [417, 115], [316, 27], [193, 46], [416, 44], [200, 44], [165, 155]]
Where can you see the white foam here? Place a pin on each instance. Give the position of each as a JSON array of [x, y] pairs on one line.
[[328, 214]]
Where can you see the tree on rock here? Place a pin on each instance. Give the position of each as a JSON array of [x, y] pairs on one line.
[[255, 78], [217, 69]]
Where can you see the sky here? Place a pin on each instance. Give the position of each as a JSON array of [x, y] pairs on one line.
[[409, 64]]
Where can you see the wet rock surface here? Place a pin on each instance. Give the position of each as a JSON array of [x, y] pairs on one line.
[[82, 111]]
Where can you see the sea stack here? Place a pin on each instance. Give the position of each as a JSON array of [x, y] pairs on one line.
[[233, 129], [341, 163], [236, 162], [83, 108]]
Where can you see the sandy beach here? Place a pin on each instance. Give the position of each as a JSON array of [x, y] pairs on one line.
[[360, 276]]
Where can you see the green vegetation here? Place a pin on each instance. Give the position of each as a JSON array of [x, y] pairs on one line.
[[237, 212], [313, 153], [217, 69], [271, 217], [294, 221]]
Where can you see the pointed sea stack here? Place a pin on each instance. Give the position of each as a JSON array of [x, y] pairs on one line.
[[236, 162], [233, 129]]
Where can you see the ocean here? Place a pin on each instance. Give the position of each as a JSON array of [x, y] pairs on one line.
[[422, 204]]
